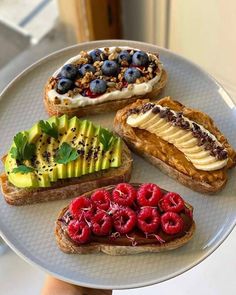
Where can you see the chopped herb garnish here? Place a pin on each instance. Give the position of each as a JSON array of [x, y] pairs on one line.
[[106, 138], [50, 130], [66, 154], [23, 150], [22, 169]]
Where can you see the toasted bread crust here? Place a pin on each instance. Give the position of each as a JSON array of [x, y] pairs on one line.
[[204, 186], [67, 188], [69, 247], [58, 110]]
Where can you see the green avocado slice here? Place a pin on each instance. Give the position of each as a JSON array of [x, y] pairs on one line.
[[116, 155], [87, 148], [19, 179], [70, 138], [95, 147], [80, 147], [44, 168]]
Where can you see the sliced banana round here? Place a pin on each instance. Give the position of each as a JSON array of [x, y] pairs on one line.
[[182, 139], [188, 135], [173, 137], [212, 166], [198, 155], [169, 131], [203, 161], [187, 144], [152, 120], [161, 128], [136, 120], [192, 150]]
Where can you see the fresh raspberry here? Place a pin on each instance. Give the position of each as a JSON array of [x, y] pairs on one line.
[[101, 199], [124, 194], [148, 194], [172, 202], [79, 231], [171, 223], [148, 220], [101, 223], [124, 220], [79, 205]]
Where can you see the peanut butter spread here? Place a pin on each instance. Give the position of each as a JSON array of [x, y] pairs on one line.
[[156, 146]]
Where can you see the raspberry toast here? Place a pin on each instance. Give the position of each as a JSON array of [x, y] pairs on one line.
[[125, 219]]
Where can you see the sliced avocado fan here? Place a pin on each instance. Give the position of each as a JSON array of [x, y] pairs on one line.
[[60, 148]]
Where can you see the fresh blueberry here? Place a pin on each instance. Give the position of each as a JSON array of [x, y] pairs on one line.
[[124, 56], [87, 68], [140, 58], [132, 74], [79, 74], [96, 55], [69, 71], [110, 68], [98, 86], [63, 85]]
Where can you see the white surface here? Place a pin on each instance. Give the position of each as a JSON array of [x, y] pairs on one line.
[[204, 31], [208, 277], [39, 25], [214, 276]]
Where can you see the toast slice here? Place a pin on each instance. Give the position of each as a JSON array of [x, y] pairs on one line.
[[59, 109], [67, 245], [67, 188], [70, 89], [167, 157]]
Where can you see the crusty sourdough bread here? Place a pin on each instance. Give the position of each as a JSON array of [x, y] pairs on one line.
[[58, 109], [68, 246], [138, 141], [70, 187]]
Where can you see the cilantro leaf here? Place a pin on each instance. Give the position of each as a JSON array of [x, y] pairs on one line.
[[22, 169], [23, 150], [66, 154], [50, 130], [106, 138], [14, 152]]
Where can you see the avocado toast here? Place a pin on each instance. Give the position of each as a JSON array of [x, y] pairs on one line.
[[61, 158]]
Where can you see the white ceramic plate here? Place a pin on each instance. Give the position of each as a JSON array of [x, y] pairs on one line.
[[29, 229]]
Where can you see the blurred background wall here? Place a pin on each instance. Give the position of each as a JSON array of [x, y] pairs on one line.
[[203, 31]]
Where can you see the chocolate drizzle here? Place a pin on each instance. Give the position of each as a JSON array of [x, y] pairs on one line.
[[177, 119]]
